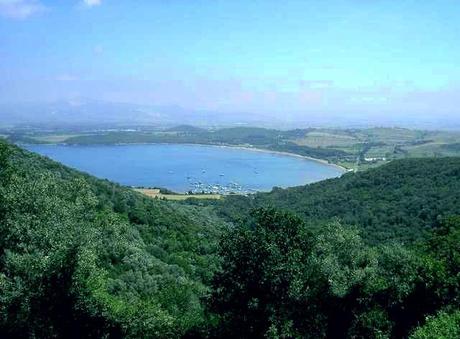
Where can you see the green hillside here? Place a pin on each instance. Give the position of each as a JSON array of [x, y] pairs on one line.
[[85, 257], [398, 201], [369, 255]]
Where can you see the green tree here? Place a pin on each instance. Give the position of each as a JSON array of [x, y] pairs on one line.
[[442, 326], [280, 280]]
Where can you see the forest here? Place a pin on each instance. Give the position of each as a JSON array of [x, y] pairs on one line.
[[399, 201], [372, 254]]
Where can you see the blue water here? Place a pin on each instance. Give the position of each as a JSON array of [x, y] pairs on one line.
[[189, 167]]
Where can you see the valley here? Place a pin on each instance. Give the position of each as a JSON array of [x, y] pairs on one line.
[[113, 262]]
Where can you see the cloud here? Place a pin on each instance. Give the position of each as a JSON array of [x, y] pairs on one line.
[[20, 9], [92, 3]]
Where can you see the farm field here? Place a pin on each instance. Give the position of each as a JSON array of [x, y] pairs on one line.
[[376, 146], [54, 138], [155, 193]]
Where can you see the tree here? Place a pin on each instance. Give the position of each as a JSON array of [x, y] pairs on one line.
[[442, 326], [280, 280], [444, 249]]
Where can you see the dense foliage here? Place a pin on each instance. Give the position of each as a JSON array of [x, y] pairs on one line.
[[401, 200], [83, 257], [281, 280], [452, 147], [441, 326], [369, 255]]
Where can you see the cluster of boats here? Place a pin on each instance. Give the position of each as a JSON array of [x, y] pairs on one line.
[[197, 187]]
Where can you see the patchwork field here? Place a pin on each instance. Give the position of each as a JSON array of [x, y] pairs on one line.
[[327, 139], [375, 146]]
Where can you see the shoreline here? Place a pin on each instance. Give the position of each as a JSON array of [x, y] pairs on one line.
[[264, 150], [241, 147]]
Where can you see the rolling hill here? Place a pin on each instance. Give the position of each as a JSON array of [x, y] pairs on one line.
[[399, 201], [78, 250], [371, 254]]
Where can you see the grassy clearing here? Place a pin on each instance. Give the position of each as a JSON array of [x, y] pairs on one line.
[[155, 193], [393, 135], [326, 139], [54, 138]]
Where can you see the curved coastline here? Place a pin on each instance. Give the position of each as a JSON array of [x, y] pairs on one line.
[[264, 150], [248, 148]]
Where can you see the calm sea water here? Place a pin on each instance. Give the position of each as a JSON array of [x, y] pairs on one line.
[[189, 167]]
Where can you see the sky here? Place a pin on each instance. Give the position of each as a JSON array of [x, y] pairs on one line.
[[292, 57]]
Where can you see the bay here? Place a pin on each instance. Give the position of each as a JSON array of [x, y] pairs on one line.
[[183, 168]]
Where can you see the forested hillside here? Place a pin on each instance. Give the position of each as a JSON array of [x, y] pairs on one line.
[[281, 279], [368, 255], [84, 257], [398, 201]]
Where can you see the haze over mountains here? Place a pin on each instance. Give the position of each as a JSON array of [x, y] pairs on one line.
[[94, 113], [340, 63]]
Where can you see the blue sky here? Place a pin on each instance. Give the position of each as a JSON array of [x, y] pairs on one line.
[[281, 57]]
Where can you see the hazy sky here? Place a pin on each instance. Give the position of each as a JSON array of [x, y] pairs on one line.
[[284, 57]]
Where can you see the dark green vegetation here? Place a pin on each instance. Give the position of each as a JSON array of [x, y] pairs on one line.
[[84, 257], [352, 148], [370, 255], [398, 201], [280, 279], [443, 325]]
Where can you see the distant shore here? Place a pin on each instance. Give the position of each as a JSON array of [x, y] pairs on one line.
[[264, 150], [242, 147]]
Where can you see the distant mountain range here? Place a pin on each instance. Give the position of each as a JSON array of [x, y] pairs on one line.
[[100, 113], [91, 112]]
